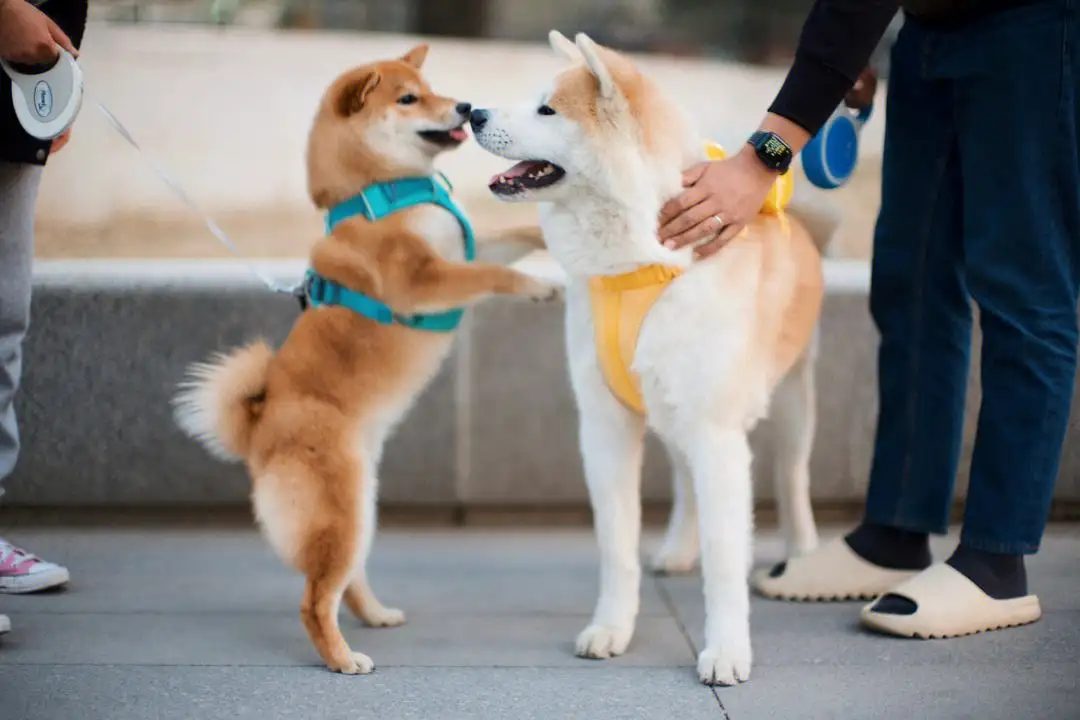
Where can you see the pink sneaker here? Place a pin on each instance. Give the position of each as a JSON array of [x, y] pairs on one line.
[[21, 572]]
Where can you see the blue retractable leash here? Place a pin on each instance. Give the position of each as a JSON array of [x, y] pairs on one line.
[[830, 157], [48, 99]]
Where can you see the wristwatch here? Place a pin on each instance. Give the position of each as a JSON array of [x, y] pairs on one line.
[[772, 151]]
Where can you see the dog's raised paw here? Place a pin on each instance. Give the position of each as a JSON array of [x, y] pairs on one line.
[[717, 667], [356, 664], [600, 642], [384, 617]]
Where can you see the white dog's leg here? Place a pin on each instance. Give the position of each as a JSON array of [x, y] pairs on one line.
[[612, 446], [720, 462], [794, 416], [679, 551], [359, 596]]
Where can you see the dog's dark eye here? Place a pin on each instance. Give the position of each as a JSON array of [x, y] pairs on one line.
[[545, 110], [408, 99]]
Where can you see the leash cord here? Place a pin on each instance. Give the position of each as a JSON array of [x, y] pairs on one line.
[[212, 226]]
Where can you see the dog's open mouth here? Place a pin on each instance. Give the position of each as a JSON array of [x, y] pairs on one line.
[[526, 175], [446, 138]]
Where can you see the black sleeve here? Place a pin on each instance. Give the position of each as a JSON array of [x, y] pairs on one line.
[[836, 42]]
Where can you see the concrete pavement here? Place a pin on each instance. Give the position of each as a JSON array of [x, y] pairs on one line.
[[202, 624]]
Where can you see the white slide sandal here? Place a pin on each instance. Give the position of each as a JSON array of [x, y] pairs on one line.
[[949, 605], [832, 572]]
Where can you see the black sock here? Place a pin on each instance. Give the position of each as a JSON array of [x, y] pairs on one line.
[[890, 547], [1002, 577]]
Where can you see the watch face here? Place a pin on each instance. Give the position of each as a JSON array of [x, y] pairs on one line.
[[774, 149]]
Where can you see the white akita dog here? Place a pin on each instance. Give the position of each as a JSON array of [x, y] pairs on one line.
[[602, 150]]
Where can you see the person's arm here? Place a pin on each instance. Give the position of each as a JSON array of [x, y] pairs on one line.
[[722, 196], [836, 42]]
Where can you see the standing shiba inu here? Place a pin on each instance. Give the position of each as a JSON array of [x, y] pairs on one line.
[[695, 351], [310, 420]]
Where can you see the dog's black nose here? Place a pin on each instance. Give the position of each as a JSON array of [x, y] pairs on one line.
[[463, 109], [479, 119]]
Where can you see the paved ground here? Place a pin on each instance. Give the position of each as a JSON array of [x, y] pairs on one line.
[[202, 624]]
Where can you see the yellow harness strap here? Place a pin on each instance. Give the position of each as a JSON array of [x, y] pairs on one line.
[[619, 306], [621, 302]]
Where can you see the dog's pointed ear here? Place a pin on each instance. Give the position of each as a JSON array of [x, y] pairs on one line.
[[353, 96], [590, 51], [416, 56], [563, 46]]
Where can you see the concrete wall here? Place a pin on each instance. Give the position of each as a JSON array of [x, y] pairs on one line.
[[496, 428]]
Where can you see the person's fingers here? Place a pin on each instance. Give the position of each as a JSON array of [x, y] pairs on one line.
[[700, 223], [691, 175], [60, 141], [61, 38], [679, 205], [723, 238]]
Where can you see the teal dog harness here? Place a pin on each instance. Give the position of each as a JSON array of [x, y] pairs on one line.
[[374, 203]]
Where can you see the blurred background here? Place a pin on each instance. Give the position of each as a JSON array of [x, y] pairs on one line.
[[221, 92]]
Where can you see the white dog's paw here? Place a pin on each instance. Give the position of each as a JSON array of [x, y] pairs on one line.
[[356, 664], [600, 642], [724, 666], [544, 292], [670, 560], [384, 617]]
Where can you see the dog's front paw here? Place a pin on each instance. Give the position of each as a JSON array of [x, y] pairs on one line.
[[543, 292], [354, 664], [724, 666], [384, 617], [600, 642]]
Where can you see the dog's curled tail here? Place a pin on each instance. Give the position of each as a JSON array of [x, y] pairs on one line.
[[220, 400]]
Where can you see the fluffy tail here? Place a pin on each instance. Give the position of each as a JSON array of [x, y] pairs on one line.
[[819, 219], [221, 399]]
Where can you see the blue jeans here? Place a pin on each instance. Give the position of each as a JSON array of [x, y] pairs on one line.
[[980, 201]]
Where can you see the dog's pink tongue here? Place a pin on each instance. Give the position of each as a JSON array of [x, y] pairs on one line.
[[459, 134], [518, 170]]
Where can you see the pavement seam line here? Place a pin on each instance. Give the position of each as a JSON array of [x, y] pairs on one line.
[[669, 603]]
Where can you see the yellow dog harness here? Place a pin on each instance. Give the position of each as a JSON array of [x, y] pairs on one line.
[[621, 302]]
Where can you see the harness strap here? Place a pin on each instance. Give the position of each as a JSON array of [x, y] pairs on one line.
[[374, 203], [619, 306]]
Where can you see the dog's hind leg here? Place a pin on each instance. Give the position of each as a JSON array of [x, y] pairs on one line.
[[309, 515], [794, 414], [679, 551], [358, 595]]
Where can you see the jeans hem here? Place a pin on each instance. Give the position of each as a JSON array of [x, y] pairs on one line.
[[903, 522]]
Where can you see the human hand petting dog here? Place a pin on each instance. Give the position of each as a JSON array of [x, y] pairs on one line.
[[722, 196], [29, 36]]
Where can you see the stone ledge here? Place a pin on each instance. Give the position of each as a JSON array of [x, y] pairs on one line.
[[108, 344]]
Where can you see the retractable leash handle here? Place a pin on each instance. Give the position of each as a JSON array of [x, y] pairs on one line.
[[830, 157], [47, 99]]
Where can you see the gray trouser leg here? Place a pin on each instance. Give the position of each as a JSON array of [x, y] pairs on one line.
[[18, 194]]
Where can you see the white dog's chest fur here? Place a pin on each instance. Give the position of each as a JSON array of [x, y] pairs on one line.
[[697, 338]]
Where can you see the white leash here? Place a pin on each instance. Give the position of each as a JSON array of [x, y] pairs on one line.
[[212, 226]]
